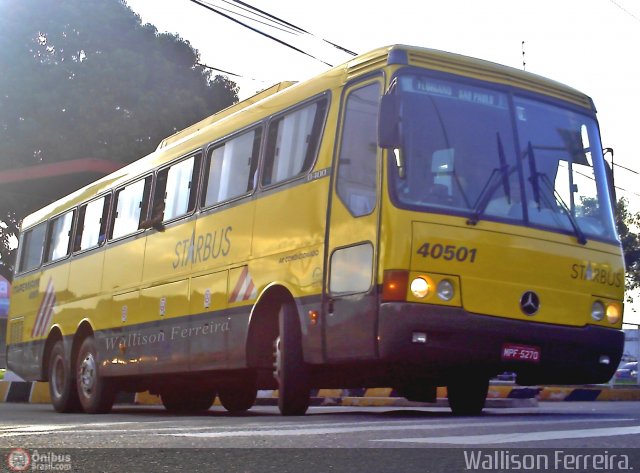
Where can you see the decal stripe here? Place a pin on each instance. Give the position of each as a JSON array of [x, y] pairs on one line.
[[244, 289], [236, 290], [45, 311]]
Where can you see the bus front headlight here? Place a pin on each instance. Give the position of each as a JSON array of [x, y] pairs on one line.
[[445, 290], [613, 313], [597, 311], [420, 288]]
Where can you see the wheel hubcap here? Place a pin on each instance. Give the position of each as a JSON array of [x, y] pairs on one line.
[[277, 358], [88, 374]]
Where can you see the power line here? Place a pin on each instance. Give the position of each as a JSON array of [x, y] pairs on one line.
[[228, 73], [302, 30], [625, 10], [625, 168], [271, 25], [284, 43]]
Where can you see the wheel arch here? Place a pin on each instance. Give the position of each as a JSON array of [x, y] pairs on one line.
[[55, 335], [263, 325], [84, 330]]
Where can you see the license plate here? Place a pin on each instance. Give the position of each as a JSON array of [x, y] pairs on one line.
[[515, 352]]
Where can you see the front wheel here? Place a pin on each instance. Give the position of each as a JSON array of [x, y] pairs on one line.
[[181, 401], [467, 397], [96, 392], [62, 383], [239, 397], [290, 370]]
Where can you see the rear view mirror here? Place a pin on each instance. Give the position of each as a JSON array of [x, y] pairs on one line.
[[389, 122]]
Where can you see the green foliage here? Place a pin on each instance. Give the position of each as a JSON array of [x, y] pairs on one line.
[[628, 225], [84, 78]]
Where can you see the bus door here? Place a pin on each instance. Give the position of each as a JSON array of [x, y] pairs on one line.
[[350, 289]]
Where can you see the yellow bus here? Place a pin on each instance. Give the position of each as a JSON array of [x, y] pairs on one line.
[[409, 219]]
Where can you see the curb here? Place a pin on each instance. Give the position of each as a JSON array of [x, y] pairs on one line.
[[499, 395]]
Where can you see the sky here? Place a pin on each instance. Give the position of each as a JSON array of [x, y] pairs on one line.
[[591, 45]]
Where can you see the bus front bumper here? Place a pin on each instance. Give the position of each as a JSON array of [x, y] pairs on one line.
[[446, 343]]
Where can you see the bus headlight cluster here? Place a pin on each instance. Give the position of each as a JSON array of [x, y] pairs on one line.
[[422, 286], [612, 311]]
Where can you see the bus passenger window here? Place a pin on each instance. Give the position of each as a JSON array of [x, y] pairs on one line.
[[58, 245], [292, 143], [357, 163], [175, 192], [231, 167], [131, 206], [31, 248], [92, 224]]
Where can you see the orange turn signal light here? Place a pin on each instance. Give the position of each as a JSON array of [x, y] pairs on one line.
[[395, 285]]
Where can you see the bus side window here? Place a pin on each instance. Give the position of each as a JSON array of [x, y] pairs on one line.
[[293, 142], [31, 248], [231, 167], [175, 192], [59, 239], [357, 162], [91, 229], [131, 207]]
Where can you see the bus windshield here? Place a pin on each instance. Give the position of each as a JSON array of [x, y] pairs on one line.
[[483, 153]]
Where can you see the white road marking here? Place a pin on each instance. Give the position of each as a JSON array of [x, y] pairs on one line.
[[311, 429], [515, 437]]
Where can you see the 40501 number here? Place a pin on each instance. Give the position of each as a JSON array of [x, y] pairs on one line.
[[448, 252]]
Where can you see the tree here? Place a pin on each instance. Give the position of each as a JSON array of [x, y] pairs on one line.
[[628, 225], [84, 78]]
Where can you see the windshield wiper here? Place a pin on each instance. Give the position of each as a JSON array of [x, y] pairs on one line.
[[489, 188], [535, 184]]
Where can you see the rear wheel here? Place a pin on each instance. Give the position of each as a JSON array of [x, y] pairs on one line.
[[290, 371], [62, 383], [176, 400], [467, 397], [96, 392], [418, 391], [239, 397]]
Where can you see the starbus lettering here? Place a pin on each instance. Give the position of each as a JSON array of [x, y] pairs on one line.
[[201, 248], [591, 272]]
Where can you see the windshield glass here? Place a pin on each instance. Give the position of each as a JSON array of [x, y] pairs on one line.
[[461, 155]]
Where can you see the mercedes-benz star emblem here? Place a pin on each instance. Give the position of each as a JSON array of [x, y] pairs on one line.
[[530, 303]]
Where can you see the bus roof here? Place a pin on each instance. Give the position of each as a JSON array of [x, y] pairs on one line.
[[286, 94]]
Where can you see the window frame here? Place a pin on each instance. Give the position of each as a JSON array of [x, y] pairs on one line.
[[350, 89], [107, 195], [196, 178], [322, 124], [144, 211], [48, 237], [205, 166], [23, 234]]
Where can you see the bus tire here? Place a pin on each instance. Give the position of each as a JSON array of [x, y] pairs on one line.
[[290, 371], [467, 396], [175, 400], [239, 398], [96, 392], [418, 391], [62, 383]]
